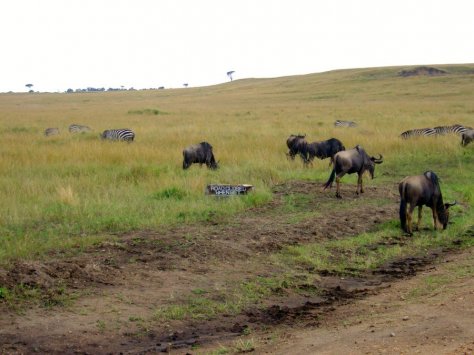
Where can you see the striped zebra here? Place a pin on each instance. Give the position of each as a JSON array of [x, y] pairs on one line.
[[77, 128], [456, 129], [418, 132], [339, 123], [123, 134], [51, 132]]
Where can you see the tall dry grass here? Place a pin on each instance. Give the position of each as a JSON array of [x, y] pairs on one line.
[[57, 191]]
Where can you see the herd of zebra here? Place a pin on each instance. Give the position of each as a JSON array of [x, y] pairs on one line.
[[122, 134], [467, 133]]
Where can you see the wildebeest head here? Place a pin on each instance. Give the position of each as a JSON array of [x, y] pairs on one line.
[[443, 216], [371, 164]]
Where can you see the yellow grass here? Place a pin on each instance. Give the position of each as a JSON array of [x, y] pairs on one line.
[[57, 188]]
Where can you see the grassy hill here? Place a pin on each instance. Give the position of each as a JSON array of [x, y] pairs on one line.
[[72, 190]]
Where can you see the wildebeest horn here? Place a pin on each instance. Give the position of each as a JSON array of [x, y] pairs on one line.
[[378, 160], [451, 204]]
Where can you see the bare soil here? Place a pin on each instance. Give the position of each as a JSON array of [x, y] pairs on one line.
[[114, 288]]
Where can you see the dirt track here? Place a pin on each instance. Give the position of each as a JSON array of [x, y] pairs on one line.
[[120, 284]]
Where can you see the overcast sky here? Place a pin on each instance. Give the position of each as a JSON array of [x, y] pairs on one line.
[[61, 44]]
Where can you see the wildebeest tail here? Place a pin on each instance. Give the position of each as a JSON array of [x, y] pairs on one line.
[[331, 179], [434, 179]]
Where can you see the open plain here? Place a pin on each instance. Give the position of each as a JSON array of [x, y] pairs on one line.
[[111, 247]]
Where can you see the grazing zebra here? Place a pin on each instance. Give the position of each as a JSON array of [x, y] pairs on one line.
[[456, 129], [467, 137], [51, 132], [77, 128], [339, 123], [123, 134], [418, 132]]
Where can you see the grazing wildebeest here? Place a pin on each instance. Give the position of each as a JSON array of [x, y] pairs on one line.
[[325, 149], [467, 137], [297, 145], [355, 160], [199, 153], [51, 132], [418, 191]]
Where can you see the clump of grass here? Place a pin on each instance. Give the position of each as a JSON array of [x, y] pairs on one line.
[[170, 193], [67, 196]]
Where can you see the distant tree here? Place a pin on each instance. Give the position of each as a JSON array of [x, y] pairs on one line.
[[229, 74], [185, 85], [69, 90], [29, 86]]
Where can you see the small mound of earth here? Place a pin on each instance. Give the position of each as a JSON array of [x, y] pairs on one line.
[[429, 71]]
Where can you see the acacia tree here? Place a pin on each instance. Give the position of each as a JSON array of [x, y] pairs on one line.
[[29, 86]]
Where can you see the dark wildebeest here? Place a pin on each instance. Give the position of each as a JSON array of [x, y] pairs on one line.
[[355, 160], [199, 153], [325, 149], [467, 137], [297, 145], [422, 190]]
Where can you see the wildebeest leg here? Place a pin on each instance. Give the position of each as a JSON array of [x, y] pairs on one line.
[[420, 208], [360, 187], [338, 182], [409, 219], [436, 223]]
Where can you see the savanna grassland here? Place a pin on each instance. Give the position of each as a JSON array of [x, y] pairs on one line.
[[66, 195]]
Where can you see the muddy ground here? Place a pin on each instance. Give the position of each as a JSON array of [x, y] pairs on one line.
[[106, 294]]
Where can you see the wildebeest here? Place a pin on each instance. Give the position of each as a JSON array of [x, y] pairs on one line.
[[324, 149], [419, 191], [355, 160], [51, 132], [199, 153], [297, 145], [467, 137]]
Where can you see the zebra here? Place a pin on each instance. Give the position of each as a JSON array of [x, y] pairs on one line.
[[77, 128], [51, 132], [467, 137], [418, 132], [456, 129], [123, 134], [339, 123]]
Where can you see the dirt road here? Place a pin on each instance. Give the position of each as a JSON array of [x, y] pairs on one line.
[[102, 300]]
